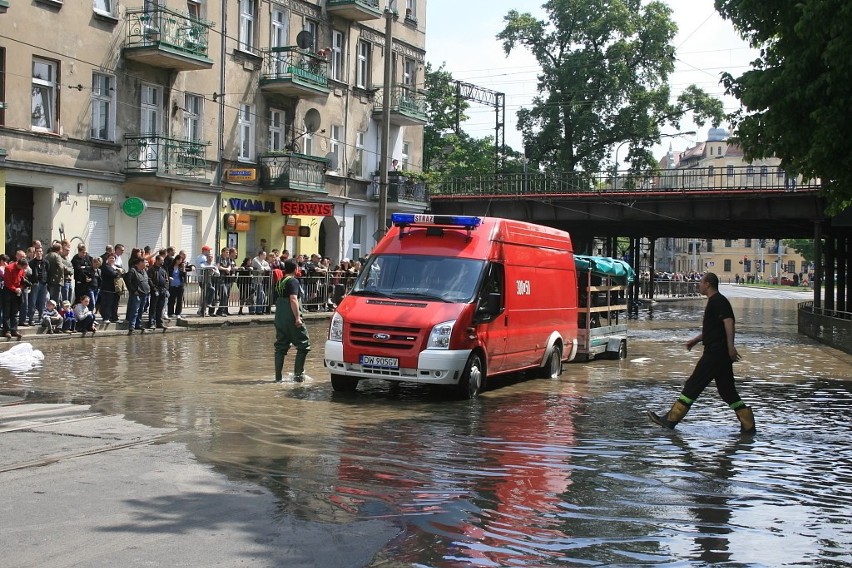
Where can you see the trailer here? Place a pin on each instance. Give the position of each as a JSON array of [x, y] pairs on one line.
[[602, 300]]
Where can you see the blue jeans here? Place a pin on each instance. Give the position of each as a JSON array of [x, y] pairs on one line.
[[38, 297], [135, 307]]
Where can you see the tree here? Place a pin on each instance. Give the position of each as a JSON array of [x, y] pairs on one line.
[[804, 247], [605, 67], [798, 93]]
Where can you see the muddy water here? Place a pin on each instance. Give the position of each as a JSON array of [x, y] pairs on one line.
[[535, 472]]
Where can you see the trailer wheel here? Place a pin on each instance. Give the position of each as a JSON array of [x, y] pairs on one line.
[[621, 353], [473, 379], [553, 366], [342, 383]]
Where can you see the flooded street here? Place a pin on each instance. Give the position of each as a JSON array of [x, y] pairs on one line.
[[539, 472]]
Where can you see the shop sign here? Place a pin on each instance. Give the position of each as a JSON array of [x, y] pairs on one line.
[[314, 209], [241, 174], [251, 205]]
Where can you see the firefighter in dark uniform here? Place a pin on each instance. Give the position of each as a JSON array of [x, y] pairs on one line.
[[717, 361], [289, 328]]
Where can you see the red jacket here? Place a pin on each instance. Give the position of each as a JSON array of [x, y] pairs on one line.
[[13, 276]]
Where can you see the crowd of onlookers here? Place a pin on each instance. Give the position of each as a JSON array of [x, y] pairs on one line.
[[63, 292]]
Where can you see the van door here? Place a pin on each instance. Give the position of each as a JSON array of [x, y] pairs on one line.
[[490, 317]]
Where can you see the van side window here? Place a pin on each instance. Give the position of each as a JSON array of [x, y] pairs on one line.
[[492, 284]]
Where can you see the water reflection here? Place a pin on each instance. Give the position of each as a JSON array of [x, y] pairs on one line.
[[535, 472]]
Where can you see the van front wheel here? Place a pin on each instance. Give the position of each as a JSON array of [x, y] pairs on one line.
[[342, 383], [553, 366], [473, 378]]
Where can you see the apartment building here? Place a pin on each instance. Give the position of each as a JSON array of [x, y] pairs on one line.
[[716, 163], [184, 123]]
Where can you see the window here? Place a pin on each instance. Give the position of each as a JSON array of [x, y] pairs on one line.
[[710, 171], [727, 265], [406, 151], [727, 243], [277, 121], [149, 104], [779, 173], [192, 117], [411, 10], [308, 149], [358, 224], [248, 15], [358, 163], [764, 171], [362, 76], [246, 126], [312, 27], [709, 245], [337, 55], [747, 243], [280, 28], [44, 104], [105, 7], [730, 171], [409, 69], [103, 107], [193, 8], [336, 145], [750, 171]]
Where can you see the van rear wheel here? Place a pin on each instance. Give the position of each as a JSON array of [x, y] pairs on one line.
[[473, 379], [553, 367], [342, 383]]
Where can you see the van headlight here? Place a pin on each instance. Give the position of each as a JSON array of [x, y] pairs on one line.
[[335, 328], [439, 337]]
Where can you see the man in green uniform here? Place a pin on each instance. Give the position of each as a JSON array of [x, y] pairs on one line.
[[289, 328]]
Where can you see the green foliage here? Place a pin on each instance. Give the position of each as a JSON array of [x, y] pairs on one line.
[[804, 247], [798, 93], [605, 66]]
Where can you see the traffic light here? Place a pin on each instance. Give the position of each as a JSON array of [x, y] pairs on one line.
[[304, 231]]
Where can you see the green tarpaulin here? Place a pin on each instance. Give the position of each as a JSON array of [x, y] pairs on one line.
[[604, 266]]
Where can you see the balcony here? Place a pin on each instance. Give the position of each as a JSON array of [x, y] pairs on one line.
[[407, 107], [400, 190], [290, 174], [158, 156], [355, 10], [166, 39], [294, 72]]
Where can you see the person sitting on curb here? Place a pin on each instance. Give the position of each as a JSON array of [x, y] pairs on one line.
[[68, 321], [51, 319], [84, 317]]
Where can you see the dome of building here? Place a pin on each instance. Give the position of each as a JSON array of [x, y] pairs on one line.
[[717, 135]]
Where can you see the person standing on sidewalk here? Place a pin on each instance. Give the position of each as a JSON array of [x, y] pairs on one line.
[[13, 278], [159, 281], [138, 289], [717, 361], [289, 328]]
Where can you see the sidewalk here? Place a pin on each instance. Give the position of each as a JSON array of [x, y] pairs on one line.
[[82, 489], [192, 322]]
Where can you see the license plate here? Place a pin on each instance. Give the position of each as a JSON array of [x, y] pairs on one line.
[[383, 362]]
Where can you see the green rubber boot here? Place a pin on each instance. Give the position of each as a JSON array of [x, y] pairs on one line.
[[279, 365]]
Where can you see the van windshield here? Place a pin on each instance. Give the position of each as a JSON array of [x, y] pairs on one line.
[[423, 277]]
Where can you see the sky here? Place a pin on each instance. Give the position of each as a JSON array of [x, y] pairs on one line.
[[462, 34]]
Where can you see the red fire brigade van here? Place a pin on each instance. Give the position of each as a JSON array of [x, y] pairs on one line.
[[451, 300]]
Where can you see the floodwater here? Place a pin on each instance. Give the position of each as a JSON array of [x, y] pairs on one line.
[[535, 472]]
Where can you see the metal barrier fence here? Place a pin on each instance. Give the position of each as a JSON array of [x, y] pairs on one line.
[[670, 288], [830, 327], [253, 292]]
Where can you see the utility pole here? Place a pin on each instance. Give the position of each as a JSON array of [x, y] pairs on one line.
[[384, 158]]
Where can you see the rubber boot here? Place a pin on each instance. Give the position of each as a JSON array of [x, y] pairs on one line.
[[279, 365], [746, 418], [299, 366], [671, 419]]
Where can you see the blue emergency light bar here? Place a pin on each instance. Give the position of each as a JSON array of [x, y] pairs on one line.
[[407, 219]]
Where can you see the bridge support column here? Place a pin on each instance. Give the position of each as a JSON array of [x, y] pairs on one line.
[[829, 272], [818, 262], [842, 254]]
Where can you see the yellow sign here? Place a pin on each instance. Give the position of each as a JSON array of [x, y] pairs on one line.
[[241, 174]]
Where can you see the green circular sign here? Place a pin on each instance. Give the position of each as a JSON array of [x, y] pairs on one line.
[[134, 206]]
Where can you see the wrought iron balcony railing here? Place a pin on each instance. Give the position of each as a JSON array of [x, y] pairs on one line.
[[400, 189], [405, 101], [291, 171], [357, 10], [160, 155], [295, 64], [161, 27]]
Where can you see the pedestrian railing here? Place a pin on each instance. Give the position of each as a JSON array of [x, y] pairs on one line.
[[253, 292], [669, 288], [829, 326]]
